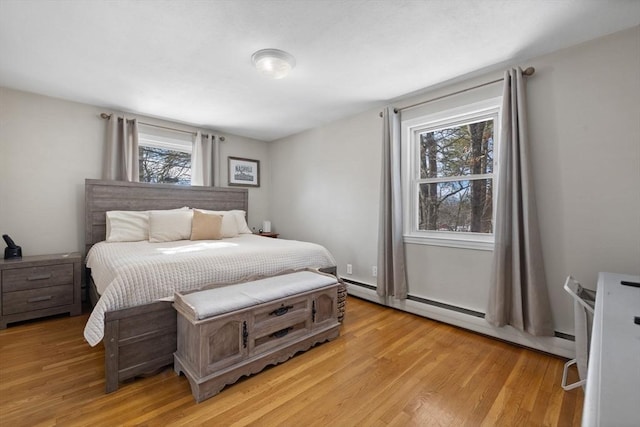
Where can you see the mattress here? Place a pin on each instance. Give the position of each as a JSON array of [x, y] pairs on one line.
[[136, 273]]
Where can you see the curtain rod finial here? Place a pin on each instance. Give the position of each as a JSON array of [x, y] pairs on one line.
[[395, 111], [529, 71], [105, 115]]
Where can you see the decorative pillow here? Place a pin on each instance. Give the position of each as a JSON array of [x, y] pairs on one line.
[[127, 226], [167, 226], [229, 222], [241, 221], [205, 226]]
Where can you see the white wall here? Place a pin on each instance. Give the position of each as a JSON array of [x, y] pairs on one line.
[[325, 185], [585, 130], [49, 146], [585, 111], [238, 146]]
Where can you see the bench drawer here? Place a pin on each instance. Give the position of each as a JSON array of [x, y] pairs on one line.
[[277, 313]]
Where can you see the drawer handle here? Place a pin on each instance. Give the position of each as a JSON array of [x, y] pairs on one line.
[[245, 334], [281, 333], [39, 277], [280, 311], [38, 299]]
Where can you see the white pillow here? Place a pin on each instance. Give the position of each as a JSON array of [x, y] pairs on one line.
[[167, 226], [130, 226], [127, 226], [241, 220], [229, 222]]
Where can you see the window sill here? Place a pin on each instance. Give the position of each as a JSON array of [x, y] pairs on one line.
[[480, 245]]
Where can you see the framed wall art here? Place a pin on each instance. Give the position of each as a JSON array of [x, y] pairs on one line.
[[244, 172]]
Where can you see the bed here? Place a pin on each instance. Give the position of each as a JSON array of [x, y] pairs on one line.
[[139, 332]]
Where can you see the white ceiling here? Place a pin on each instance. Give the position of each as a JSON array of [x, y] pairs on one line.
[[190, 61]]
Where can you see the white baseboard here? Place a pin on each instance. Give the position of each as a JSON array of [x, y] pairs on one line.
[[554, 345]]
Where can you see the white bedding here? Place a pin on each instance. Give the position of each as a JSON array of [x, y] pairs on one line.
[[136, 273]]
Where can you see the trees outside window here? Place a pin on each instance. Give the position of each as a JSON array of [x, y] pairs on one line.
[[164, 155], [160, 165], [449, 166], [455, 193]]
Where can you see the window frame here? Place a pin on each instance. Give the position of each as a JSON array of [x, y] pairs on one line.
[[410, 151]]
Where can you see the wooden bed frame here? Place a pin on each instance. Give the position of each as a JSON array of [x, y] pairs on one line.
[[141, 340]]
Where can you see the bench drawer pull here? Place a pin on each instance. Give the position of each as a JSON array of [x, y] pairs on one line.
[[280, 311], [281, 333], [39, 299], [39, 277], [245, 335]]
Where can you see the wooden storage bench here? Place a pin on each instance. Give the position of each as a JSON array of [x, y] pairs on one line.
[[225, 333]]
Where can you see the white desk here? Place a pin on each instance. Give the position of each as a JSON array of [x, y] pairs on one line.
[[613, 379]]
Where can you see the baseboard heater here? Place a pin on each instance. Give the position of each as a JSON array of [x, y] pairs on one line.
[[448, 306], [362, 285]]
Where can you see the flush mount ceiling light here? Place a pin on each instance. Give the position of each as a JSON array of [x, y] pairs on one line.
[[274, 63]]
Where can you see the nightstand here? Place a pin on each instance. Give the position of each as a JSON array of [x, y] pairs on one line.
[[265, 234], [38, 286]]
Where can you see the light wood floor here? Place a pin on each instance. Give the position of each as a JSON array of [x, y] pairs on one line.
[[386, 368]]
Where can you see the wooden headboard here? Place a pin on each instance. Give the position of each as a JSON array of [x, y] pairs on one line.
[[102, 196]]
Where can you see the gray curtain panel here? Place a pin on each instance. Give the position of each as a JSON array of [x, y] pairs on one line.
[[202, 159], [216, 161], [518, 294], [391, 260], [121, 157]]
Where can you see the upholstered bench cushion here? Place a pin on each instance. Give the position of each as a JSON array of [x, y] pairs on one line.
[[226, 299]]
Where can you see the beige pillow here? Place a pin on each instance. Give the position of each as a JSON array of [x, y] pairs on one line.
[[229, 222], [205, 226]]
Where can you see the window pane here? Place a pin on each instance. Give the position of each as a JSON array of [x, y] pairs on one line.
[[462, 206], [459, 150], [159, 165]]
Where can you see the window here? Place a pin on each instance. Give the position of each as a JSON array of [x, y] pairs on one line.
[[164, 155], [449, 166]]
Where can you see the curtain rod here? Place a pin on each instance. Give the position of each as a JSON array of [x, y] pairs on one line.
[[107, 116], [529, 71]]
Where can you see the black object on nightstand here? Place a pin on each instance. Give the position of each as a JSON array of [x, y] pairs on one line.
[[12, 250]]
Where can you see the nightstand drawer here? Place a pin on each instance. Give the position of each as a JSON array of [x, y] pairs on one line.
[[36, 299], [20, 279]]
